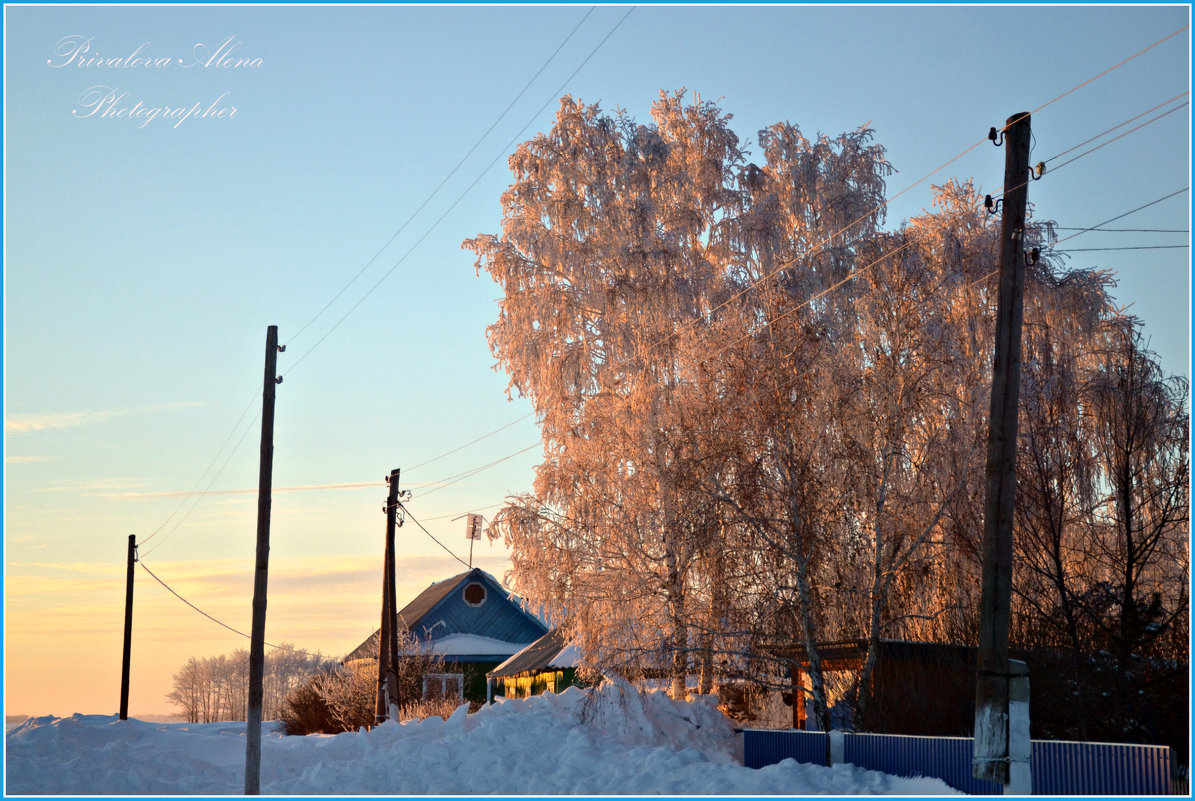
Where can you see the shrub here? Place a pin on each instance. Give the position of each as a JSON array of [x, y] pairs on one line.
[[304, 710], [344, 698]]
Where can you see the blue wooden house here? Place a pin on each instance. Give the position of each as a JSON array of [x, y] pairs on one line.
[[472, 624]]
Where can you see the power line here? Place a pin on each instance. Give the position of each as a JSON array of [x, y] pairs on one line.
[[854, 274], [220, 622], [1120, 125], [462, 196], [451, 173], [884, 204], [199, 481], [474, 510], [1121, 136], [1127, 230], [200, 496], [471, 442], [1135, 247], [374, 258], [474, 471], [887, 201], [436, 541], [1097, 147], [1120, 216], [816, 296], [1110, 69]]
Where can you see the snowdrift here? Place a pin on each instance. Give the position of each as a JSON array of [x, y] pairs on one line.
[[615, 741]]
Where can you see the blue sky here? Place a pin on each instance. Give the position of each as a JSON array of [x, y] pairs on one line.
[[144, 263]]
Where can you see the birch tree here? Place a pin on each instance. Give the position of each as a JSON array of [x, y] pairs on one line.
[[612, 234]]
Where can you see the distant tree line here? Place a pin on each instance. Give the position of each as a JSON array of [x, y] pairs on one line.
[[217, 688], [764, 418]]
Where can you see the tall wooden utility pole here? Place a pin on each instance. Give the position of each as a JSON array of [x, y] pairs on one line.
[[257, 638], [990, 758], [387, 699], [128, 631]]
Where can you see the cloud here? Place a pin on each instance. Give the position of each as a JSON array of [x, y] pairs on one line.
[[28, 459], [246, 491], [34, 421], [93, 486], [24, 423]]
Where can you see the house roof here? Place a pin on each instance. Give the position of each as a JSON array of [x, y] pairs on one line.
[[512, 625], [550, 651]]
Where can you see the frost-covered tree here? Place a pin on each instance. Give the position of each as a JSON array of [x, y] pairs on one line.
[[613, 236], [764, 417], [217, 688], [1141, 431]]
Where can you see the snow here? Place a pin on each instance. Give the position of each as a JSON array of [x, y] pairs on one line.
[[569, 656], [614, 741], [473, 644]]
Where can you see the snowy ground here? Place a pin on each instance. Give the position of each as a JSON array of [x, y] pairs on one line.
[[617, 743]]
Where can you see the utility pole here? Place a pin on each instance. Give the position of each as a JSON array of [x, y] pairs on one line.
[[387, 699], [257, 638], [128, 631], [991, 757]]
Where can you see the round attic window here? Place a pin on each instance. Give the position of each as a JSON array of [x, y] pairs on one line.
[[474, 594]]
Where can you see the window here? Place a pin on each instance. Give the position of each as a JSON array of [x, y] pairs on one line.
[[438, 686], [474, 594]]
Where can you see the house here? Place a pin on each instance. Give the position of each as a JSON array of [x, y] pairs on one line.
[[547, 665], [471, 623]]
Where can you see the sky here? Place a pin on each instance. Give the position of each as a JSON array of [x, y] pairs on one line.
[[325, 166]]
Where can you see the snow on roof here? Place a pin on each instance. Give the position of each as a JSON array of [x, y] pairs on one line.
[[570, 657], [543, 654], [473, 644]]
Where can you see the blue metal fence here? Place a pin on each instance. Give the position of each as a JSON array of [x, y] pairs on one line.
[[1070, 768], [945, 758], [767, 747], [1059, 767]]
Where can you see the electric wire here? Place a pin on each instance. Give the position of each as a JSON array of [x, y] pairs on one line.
[[793, 310], [451, 173], [815, 247], [888, 200], [1095, 228], [854, 274], [1098, 226], [462, 196], [1110, 69], [199, 481], [474, 471], [1126, 230], [407, 510], [218, 622], [1120, 125], [1121, 136], [1089, 152], [200, 496], [471, 442], [774, 272], [397, 233], [1132, 247], [475, 510]]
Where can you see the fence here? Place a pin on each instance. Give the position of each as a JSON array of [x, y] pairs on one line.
[[1059, 767]]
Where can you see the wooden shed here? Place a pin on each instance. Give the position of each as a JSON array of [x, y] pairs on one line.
[[547, 665], [472, 623], [916, 687]]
